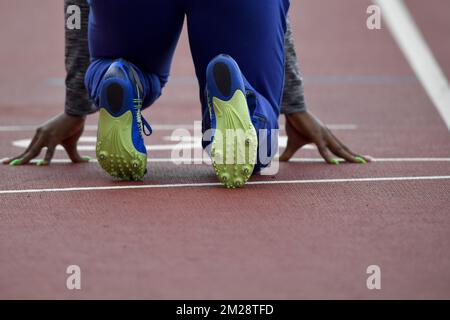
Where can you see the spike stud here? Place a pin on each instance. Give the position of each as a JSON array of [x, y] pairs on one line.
[[224, 177], [103, 155], [238, 183], [135, 164]]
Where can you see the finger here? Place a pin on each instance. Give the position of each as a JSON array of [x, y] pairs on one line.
[[34, 151], [14, 159], [288, 152], [358, 158], [70, 145], [286, 155], [339, 151], [48, 156], [326, 154], [9, 160], [73, 154], [340, 143]]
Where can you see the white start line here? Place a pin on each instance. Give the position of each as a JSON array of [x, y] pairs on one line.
[[213, 184], [206, 160], [87, 143]]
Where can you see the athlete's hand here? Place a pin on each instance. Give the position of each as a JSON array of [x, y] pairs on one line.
[[303, 128], [62, 130]]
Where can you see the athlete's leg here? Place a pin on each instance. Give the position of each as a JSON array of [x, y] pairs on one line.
[[150, 84], [131, 45], [251, 33], [142, 32]]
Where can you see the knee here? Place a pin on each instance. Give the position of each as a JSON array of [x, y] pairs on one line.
[[224, 77], [220, 63], [103, 71], [126, 73], [223, 57]]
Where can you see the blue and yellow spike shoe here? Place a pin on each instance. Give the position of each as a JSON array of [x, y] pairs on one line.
[[120, 149], [234, 139]]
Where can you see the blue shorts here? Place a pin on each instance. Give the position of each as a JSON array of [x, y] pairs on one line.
[[146, 32]]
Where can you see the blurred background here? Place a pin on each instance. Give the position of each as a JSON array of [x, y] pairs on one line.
[[283, 241]]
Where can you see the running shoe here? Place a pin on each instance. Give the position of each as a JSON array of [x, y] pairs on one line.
[[120, 149], [234, 139]]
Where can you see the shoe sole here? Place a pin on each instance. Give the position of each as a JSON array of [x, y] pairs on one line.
[[234, 156], [115, 150]]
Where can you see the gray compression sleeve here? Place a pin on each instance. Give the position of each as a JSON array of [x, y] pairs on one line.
[[293, 94], [77, 60]]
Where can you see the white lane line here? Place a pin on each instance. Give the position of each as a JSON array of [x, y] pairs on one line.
[[214, 184], [185, 143], [206, 160], [159, 127], [418, 54], [381, 160]]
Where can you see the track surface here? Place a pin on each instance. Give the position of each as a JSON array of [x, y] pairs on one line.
[[281, 240]]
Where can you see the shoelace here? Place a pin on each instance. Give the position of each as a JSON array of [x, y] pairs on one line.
[[147, 130], [143, 124]]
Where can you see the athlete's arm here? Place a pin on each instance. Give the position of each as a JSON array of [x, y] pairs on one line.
[[77, 62], [302, 127], [66, 128], [293, 93], [62, 130]]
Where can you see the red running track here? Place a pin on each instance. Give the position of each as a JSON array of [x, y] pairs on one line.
[[311, 233]]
